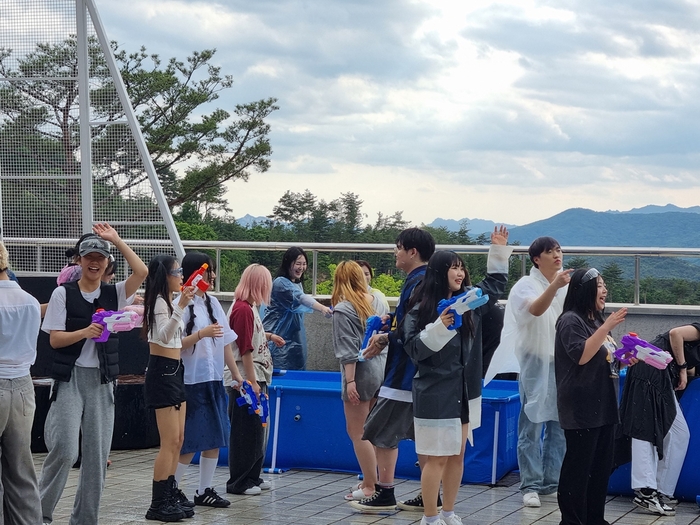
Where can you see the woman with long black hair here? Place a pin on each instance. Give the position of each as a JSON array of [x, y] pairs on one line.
[[285, 315], [447, 385], [206, 346], [586, 398], [164, 385]]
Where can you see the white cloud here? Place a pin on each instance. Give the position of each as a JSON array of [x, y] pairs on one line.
[[512, 110]]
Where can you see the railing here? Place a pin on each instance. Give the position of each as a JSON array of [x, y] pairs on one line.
[[313, 248]]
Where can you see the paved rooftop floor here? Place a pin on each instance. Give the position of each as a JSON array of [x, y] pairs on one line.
[[316, 498]]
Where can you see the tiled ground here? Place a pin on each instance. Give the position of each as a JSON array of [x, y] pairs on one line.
[[316, 498]]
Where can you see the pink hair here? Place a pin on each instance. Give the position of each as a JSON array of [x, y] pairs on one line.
[[255, 285]]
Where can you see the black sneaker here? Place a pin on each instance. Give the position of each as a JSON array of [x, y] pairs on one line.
[[650, 503], [416, 503], [382, 500], [210, 499]]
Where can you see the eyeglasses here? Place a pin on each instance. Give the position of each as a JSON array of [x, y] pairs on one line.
[[177, 272], [590, 275]]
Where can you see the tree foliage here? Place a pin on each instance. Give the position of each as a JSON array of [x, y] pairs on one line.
[[194, 148]]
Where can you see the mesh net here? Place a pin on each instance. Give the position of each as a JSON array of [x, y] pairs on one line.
[[41, 190]]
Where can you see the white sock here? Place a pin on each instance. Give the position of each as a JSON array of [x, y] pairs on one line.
[[207, 467], [430, 519], [180, 471], [447, 513]]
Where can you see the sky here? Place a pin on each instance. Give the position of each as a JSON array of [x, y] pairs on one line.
[[511, 111]]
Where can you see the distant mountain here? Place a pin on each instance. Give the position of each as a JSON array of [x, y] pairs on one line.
[[475, 226], [247, 220], [582, 227], [652, 208]]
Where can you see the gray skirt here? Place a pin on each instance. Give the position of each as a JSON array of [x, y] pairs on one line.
[[388, 423]]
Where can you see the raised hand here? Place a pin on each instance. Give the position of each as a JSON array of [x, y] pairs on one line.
[[105, 231], [563, 278], [499, 235]]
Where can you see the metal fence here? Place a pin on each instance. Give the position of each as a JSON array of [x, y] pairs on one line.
[[71, 150], [43, 265]]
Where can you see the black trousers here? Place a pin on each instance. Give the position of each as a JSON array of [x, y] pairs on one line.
[[247, 443], [583, 482]]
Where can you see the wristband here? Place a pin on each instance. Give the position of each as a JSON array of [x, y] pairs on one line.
[[348, 382], [199, 335], [684, 366]]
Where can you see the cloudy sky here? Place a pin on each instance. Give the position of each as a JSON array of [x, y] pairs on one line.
[[510, 111]]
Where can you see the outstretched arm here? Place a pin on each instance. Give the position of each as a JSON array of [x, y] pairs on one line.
[[544, 301], [138, 268]]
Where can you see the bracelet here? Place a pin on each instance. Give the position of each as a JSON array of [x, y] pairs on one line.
[[684, 366], [348, 382], [199, 336]]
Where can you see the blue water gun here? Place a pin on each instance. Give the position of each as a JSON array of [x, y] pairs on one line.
[[248, 397], [462, 303], [265, 408], [374, 326]]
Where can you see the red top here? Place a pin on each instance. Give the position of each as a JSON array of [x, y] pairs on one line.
[[241, 322]]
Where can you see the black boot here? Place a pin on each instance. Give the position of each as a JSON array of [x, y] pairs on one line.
[[162, 508], [176, 496]]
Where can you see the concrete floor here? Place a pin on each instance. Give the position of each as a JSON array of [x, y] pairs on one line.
[[316, 498]]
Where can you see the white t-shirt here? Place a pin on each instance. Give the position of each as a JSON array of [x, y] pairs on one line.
[[55, 319], [205, 361], [20, 318]]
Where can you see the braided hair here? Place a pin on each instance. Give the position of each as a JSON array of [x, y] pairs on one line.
[[190, 264]]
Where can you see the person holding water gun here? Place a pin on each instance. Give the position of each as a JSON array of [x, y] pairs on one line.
[[586, 381], [653, 419], [84, 374], [352, 306], [447, 384], [248, 438], [206, 347]]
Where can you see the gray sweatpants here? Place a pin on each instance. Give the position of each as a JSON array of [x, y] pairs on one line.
[[19, 494], [84, 403]]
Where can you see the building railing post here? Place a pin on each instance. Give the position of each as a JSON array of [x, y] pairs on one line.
[[637, 277], [314, 271]]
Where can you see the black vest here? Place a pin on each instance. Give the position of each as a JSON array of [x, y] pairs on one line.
[[78, 316]]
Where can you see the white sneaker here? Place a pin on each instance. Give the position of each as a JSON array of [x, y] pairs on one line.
[[452, 520], [253, 491], [531, 499], [439, 521], [265, 485]]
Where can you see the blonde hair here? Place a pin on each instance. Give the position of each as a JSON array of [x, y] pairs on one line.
[[4, 257], [349, 285], [255, 285]]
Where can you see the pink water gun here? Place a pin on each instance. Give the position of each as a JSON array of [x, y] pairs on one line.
[[117, 321]]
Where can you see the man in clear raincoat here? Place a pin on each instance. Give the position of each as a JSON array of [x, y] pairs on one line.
[[534, 304]]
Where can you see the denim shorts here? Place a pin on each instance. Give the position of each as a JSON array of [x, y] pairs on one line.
[[165, 383]]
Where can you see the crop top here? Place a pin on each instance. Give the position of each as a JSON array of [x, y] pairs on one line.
[[167, 331]]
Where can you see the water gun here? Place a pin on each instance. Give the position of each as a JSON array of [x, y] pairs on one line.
[[197, 279], [462, 303], [374, 326], [248, 397], [633, 346], [117, 321], [265, 406]]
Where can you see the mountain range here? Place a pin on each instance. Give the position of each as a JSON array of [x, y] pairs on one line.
[[659, 226]]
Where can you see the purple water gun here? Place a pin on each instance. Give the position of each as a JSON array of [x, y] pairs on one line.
[[633, 346], [117, 321]]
